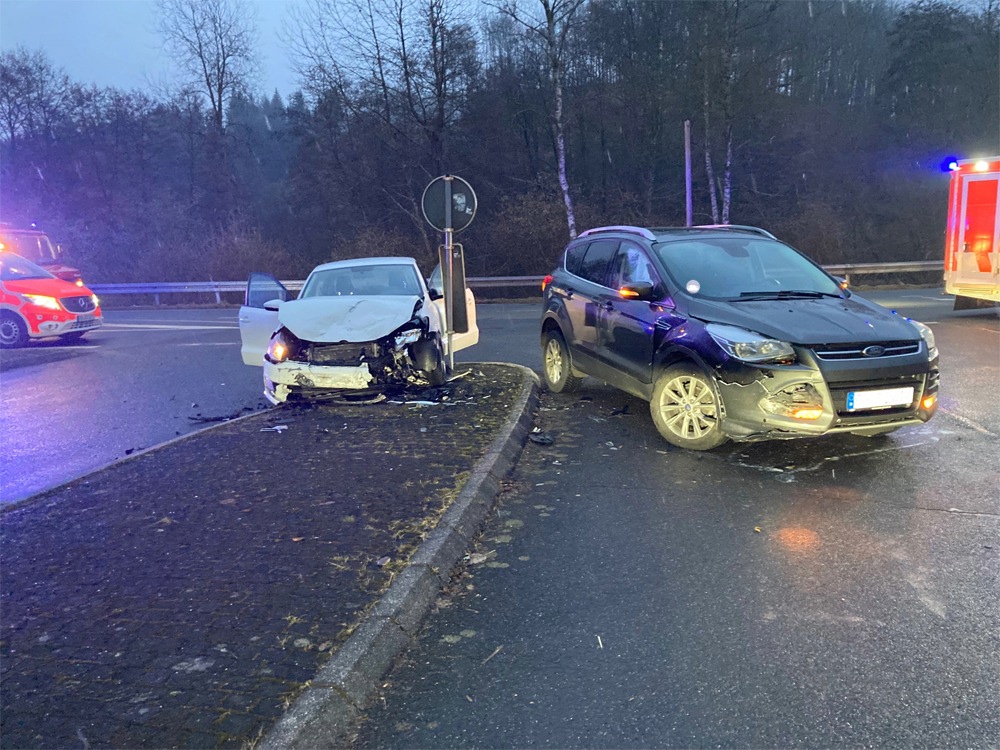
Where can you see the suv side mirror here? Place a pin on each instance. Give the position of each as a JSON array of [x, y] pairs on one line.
[[434, 293], [641, 290]]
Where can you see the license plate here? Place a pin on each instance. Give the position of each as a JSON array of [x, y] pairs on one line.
[[883, 398], [85, 318]]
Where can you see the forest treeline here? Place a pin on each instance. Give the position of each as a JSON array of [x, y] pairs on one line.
[[824, 121]]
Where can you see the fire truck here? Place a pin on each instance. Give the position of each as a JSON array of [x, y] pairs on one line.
[[972, 239], [36, 246]]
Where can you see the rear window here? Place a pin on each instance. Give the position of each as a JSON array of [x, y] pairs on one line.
[[574, 257], [594, 266]]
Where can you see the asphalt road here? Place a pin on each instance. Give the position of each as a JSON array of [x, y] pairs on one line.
[[840, 592], [832, 592]]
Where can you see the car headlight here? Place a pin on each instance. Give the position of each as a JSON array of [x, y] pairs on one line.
[[749, 346], [41, 300], [283, 346], [928, 336], [411, 336]]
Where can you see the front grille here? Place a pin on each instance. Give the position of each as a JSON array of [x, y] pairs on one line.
[[839, 391], [831, 352], [78, 324], [82, 304], [341, 354]]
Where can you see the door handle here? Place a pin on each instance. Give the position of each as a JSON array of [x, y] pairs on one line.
[[609, 306]]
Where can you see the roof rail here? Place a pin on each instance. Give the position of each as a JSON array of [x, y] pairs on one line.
[[738, 227], [620, 228]]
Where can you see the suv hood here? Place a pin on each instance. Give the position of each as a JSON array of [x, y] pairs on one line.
[[821, 320], [348, 319]]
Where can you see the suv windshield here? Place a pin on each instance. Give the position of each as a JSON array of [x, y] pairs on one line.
[[735, 268], [15, 268]]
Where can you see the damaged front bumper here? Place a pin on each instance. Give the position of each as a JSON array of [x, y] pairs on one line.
[[283, 380], [764, 402]]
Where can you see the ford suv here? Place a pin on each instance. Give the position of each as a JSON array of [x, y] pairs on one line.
[[730, 333]]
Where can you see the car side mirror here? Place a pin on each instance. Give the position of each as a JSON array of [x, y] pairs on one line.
[[640, 290], [434, 293], [273, 305], [843, 283]]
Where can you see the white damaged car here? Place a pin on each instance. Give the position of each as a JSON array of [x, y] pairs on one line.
[[358, 328]]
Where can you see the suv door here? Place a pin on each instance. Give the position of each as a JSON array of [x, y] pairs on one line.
[[256, 323], [625, 326], [582, 290]]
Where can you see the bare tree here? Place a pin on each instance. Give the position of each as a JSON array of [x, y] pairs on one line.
[[214, 42], [552, 30]]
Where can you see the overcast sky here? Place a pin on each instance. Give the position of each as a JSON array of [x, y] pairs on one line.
[[114, 42]]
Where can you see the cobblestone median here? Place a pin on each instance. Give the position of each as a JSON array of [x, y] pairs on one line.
[[184, 598]]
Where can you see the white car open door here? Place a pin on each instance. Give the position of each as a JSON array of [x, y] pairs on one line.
[[464, 339], [257, 323]]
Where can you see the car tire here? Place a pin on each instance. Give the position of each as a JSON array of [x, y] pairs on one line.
[[557, 367], [438, 375], [685, 409], [13, 332]]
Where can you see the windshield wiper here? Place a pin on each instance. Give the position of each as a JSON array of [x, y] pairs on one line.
[[784, 294]]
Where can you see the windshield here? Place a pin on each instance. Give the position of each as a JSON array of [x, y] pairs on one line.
[[34, 245], [15, 268], [389, 279], [743, 268]]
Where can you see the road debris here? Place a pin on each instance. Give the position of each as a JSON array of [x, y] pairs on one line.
[[600, 643], [496, 651], [279, 428], [540, 438]]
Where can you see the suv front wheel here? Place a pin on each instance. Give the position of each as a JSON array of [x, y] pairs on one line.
[[685, 409], [557, 369]]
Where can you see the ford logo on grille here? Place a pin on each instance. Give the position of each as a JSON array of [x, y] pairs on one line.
[[873, 351]]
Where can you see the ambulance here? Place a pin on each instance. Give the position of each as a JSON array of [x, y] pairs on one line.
[[972, 239]]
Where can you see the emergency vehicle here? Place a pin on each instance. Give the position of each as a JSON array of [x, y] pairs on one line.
[[972, 239], [34, 245]]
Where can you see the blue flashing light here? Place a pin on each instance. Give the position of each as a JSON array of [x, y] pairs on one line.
[[950, 164]]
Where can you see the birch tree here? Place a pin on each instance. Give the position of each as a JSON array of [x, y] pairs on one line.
[[552, 29]]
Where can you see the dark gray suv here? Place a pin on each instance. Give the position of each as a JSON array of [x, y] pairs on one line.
[[731, 334]]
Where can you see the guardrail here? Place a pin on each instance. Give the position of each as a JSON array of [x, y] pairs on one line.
[[845, 270]]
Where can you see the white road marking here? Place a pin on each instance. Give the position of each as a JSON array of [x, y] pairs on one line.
[[212, 343], [968, 422]]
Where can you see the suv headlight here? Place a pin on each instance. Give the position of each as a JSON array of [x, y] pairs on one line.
[[928, 336], [750, 346]]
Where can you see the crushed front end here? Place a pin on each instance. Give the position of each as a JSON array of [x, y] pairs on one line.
[[829, 389], [304, 370]]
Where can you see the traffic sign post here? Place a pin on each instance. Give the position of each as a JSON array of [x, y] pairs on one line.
[[449, 205]]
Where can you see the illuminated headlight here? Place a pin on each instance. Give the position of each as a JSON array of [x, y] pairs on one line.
[[50, 303], [283, 346], [748, 345], [97, 301], [411, 336], [928, 336]]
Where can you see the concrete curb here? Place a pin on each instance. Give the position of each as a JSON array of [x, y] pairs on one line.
[[331, 705]]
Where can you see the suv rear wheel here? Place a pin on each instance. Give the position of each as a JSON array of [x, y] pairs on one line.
[[557, 369], [685, 409]]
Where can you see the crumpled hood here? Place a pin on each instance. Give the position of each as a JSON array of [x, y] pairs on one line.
[[349, 319], [823, 320]]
